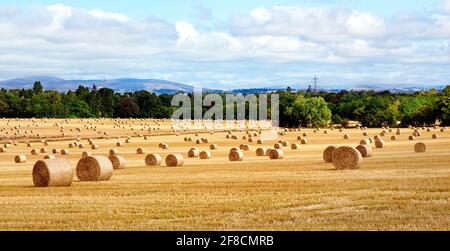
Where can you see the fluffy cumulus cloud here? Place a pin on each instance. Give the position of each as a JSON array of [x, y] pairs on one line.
[[267, 46]]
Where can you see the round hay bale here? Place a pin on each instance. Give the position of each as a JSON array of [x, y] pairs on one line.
[[411, 137], [140, 150], [20, 159], [346, 136], [305, 134], [193, 152], [29, 144], [376, 137], [113, 152], [245, 147], [34, 152], [420, 147], [304, 141], [276, 154], [55, 150], [393, 137], [259, 142], [299, 137], [295, 146], [164, 146], [64, 152], [213, 147], [174, 160], [52, 173], [346, 157], [328, 154], [205, 155], [119, 144], [379, 143], [85, 154], [236, 155], [284, 143], [117, 161], [365, 150], [364, 142], [442, 130], [94, 146], [434, 136], [198, 141], [71, 145], [260, 151], [153, 160], [43, 150], [278, 146], [365, 134], [94, 168], [2, 150], [49, 157]]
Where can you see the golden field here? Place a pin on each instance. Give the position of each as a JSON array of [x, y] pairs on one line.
[[395, 189]]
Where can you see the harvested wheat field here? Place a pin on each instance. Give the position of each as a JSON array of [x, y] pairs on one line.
[[396, 188]]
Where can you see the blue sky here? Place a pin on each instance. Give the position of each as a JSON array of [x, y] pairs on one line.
[[228, 44]]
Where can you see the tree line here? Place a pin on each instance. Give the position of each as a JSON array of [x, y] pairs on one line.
[[303, 108]]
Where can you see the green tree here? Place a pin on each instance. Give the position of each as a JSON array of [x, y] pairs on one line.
[[37, 87], [312, 111], [444, 106]]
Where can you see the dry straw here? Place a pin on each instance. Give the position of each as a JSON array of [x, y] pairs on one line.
[[174, 160], [205, 155], [117, 161], [379, 143], [260, 151], [328, 154], [236, 155], [85, 154], [153, 160], [346, 157], [420, 147], [20, 159], [94, 168], [276, 154], [193, 152], [365, 150], [52, 173]]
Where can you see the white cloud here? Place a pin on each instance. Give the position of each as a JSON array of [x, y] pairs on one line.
[[67, 41], [109, 15]]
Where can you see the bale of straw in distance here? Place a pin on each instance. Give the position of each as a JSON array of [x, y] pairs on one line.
[[236, 155], [276, 154], [2, 150], [304, 141], [85, 154], [117, 161], [299, 137], [365, 150], [379, 143], [411, 137], [346, 136], [434, 136], [284, 143], [20, 159], [64, 152], [364, 142], [94, 146], [81, 145], [393, 137], [34, 152], [213, 147], [259, 142], [153, 160], [205, 155], [278, 146], [52, 173], [420, 147], [376, 137], [164, 146], [260, 151], [295, 146], [346, 157], [94, 168], [174, 160], [49, 157], [193, 152], [140, 150], [119, 143], [328, 154]]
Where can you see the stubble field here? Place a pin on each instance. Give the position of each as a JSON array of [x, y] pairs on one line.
[[395, 189]]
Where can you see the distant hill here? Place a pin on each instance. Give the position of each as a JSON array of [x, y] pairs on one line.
[[120, 85]]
